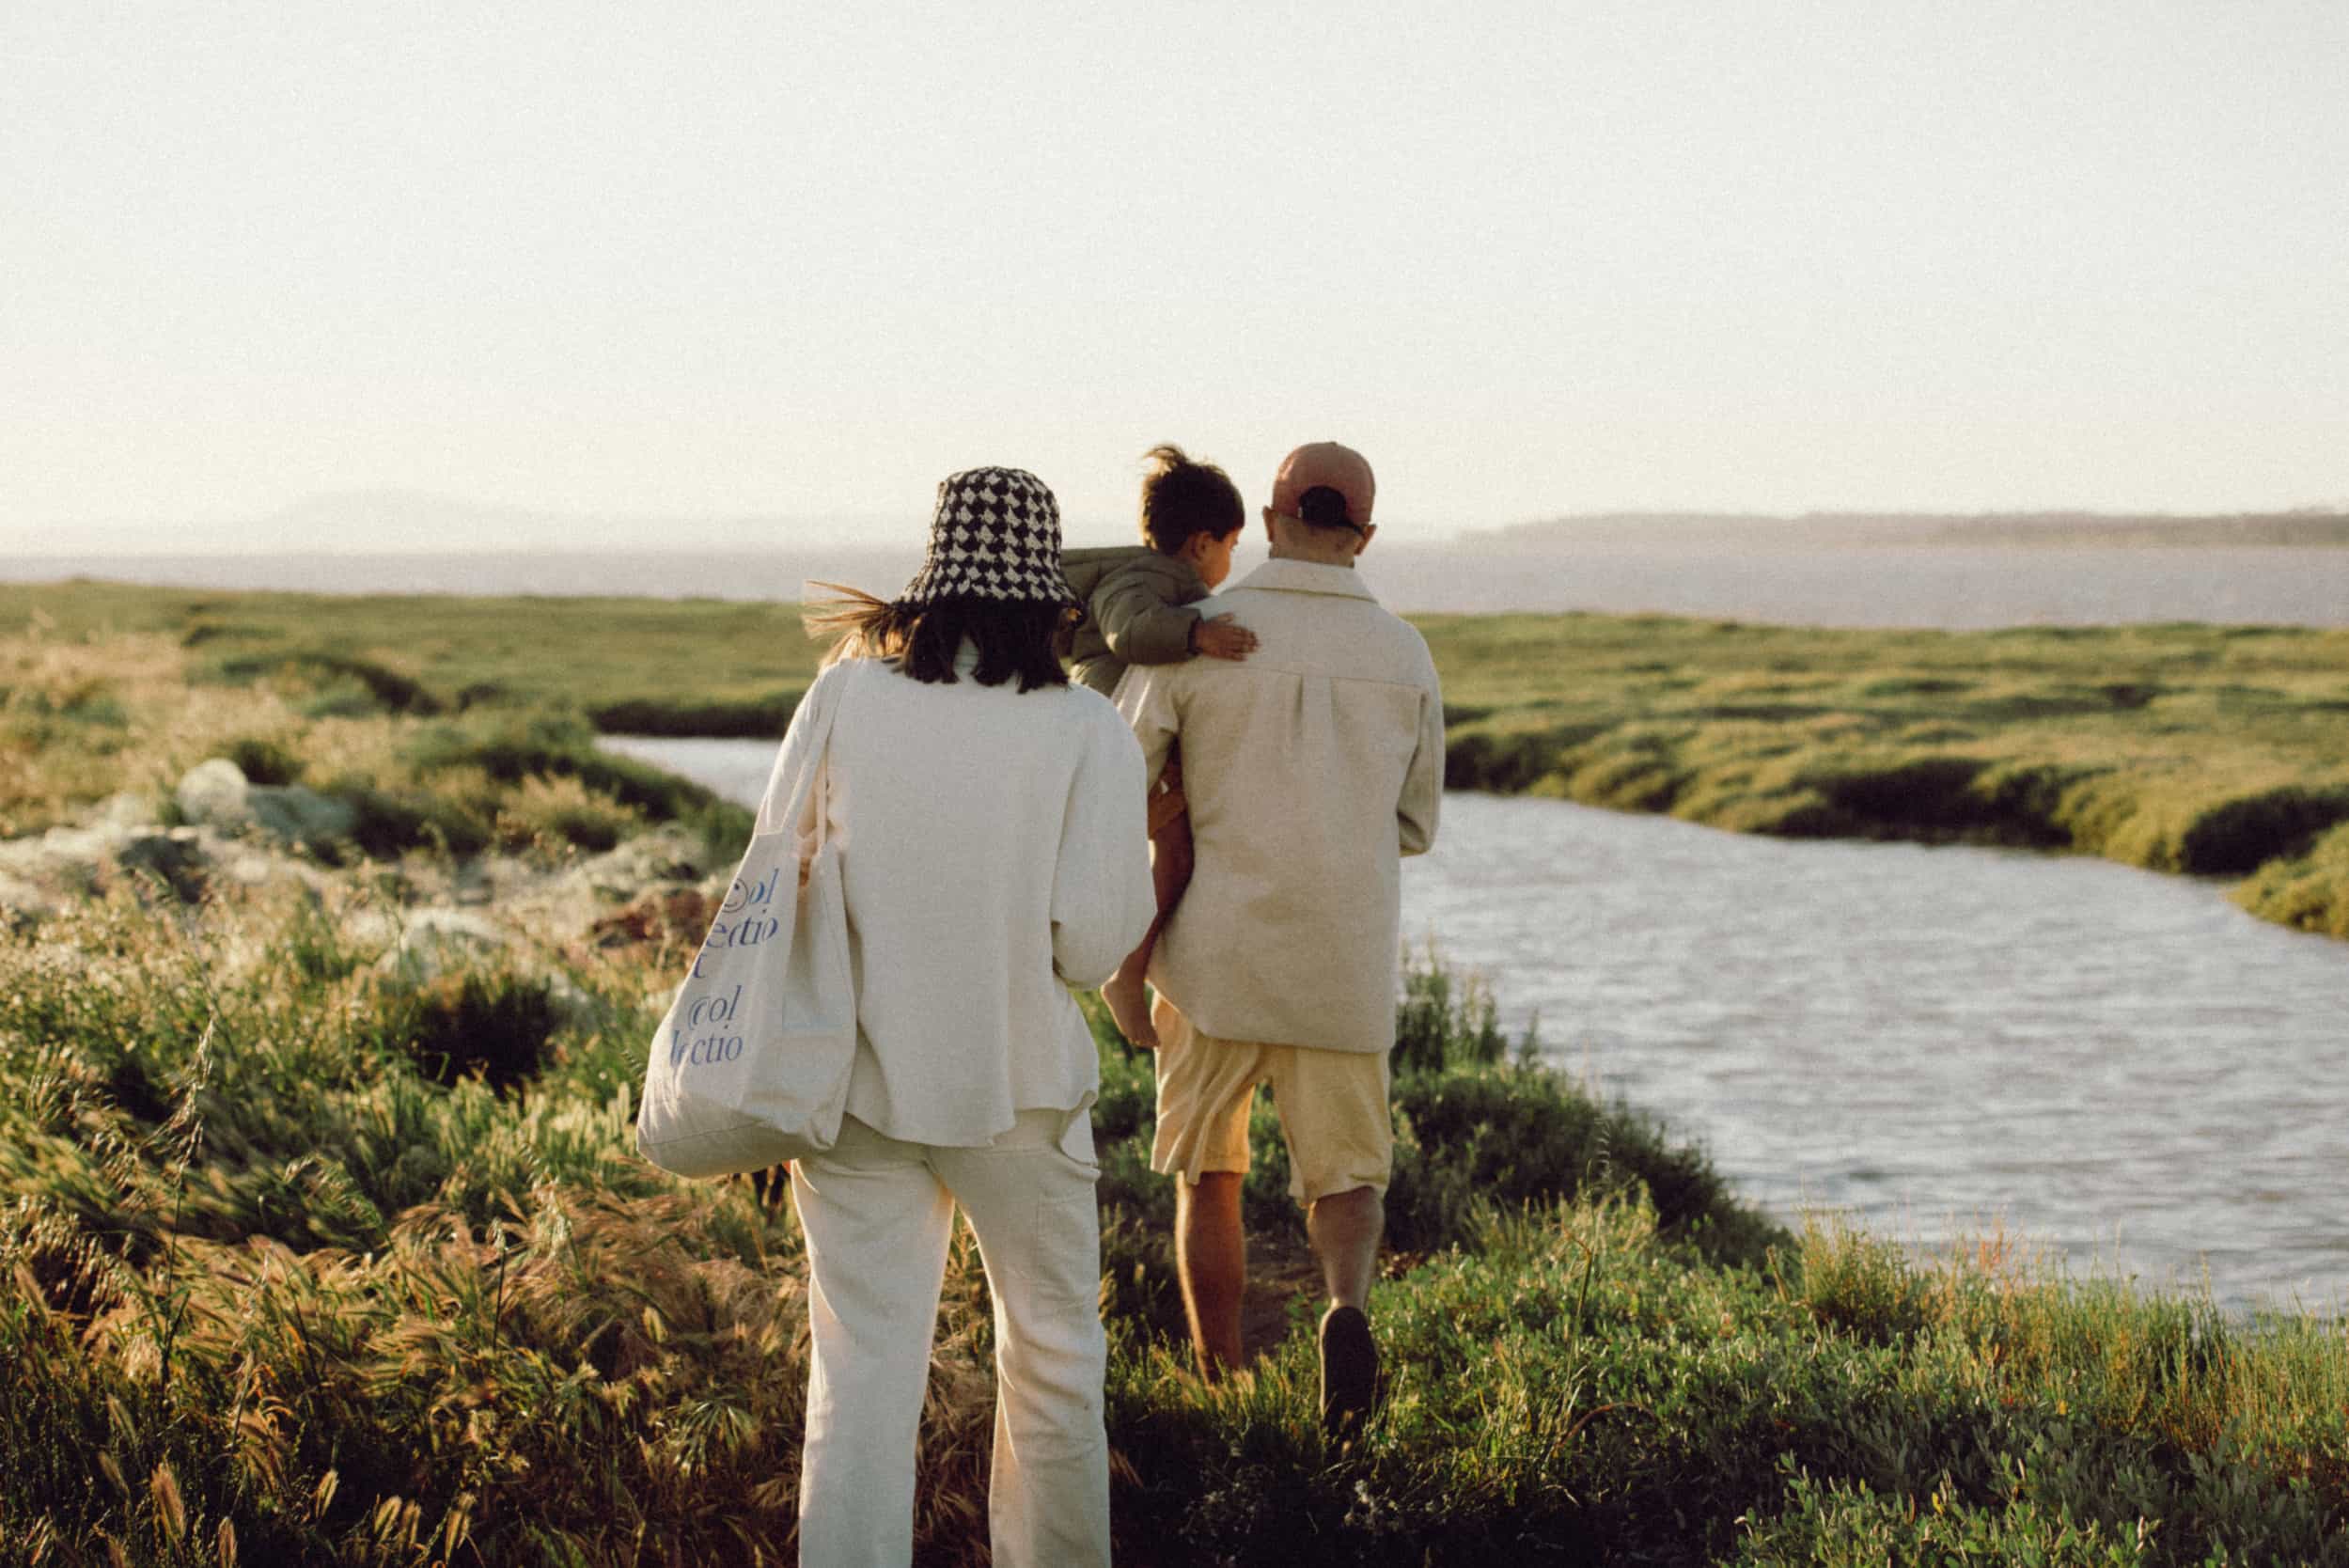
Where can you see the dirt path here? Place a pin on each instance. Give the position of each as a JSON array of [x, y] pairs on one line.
[[1281, 1271]]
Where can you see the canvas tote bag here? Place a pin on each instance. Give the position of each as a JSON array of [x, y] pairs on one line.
[[750, 1067]]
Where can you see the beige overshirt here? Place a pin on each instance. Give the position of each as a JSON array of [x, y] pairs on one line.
[[1312, 767]]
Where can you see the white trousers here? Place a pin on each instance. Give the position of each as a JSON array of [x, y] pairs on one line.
[[878, 1215]]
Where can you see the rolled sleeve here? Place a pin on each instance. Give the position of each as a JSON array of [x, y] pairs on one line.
[[1102, 901], [1146, 701]]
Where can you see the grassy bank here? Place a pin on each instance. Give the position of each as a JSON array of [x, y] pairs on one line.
[[2205, 750], [93, 714], [310, 1259], [280, 1293]]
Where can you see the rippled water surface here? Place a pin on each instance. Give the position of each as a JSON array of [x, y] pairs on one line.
[[2120, 1065]]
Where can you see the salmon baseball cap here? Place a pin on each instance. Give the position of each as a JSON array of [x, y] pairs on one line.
[[1325, 464]]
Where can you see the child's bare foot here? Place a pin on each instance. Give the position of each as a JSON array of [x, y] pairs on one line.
[[1129, 1009]]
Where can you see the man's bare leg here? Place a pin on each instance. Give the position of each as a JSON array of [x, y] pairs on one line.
[[1212, 1260], [1344, 1229]]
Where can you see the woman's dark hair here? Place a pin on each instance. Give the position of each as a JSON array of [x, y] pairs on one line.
[[1014, 635], [1181, 498]]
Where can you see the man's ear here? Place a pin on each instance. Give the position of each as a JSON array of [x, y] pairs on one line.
[[1369, 531]]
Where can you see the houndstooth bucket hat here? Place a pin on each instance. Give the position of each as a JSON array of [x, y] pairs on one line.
[[995, 535]]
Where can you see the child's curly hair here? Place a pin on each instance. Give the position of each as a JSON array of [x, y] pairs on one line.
[[1181, 498]]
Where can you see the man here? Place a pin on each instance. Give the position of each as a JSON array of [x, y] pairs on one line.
[[1311, 769]]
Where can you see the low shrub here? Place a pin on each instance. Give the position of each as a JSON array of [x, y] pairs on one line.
[[2308, 892], [474, 1024], [392, 822], [264, 760], [2239, 836], [388, 689], [1448, 1019], [509, 752], [762, 718], [563, 811]]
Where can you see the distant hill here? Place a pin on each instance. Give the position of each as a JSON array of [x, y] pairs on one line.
[[2307, 526]]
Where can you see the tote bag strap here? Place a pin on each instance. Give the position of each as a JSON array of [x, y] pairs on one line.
[[803, 764]]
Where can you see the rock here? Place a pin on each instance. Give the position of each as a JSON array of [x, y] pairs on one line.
[[252, 865], [495, 879], [23, 906], [67, 860], [300, 815], [371, 927], [68, 863], [435, 940], [125, 812], [661, 855], [175, 856], [214, 793], [574, 1009]]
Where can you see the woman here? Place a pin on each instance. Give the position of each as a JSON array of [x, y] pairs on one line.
[[989, 818]]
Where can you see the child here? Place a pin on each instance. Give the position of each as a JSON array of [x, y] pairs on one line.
[[1136, 598]]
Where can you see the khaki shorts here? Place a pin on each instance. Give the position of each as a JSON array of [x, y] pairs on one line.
[[1332, 1103]]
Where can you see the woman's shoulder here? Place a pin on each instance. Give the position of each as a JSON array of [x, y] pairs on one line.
[[851, 670], [832, 683], [1094, 716]]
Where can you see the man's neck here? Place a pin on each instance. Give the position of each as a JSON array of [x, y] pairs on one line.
[[1340, 555]]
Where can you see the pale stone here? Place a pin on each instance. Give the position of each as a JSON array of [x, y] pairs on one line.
[[215, 793], [663, 854], [125, 811], [432, 941], [22, 903]]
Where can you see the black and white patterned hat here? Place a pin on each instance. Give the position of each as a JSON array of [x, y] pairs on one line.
[[995, 535]]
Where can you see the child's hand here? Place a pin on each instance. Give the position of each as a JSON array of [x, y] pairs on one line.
[[1223, 639]]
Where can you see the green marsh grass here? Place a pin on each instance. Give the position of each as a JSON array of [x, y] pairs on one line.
[[298, 1271], [276, 1279], [421, 778], [2198, 749], [2204, 750]]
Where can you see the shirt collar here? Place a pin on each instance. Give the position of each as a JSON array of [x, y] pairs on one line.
[[1287, 576]]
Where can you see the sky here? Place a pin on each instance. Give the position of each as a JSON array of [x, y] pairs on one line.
[[798, 263]]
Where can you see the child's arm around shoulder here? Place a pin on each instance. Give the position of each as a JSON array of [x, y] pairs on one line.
[[1143, 610]]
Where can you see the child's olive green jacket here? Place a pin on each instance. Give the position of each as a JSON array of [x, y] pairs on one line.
[[1134, 612]]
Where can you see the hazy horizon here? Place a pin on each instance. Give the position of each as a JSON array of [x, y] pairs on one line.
[[1534, 260], [389, 521]]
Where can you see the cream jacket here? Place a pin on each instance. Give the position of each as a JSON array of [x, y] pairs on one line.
[[1312, 767], [991, 849]]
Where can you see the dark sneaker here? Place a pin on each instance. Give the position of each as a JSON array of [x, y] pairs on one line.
[[1349, 1372]]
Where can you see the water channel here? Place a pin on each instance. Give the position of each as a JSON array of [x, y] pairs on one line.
[[2119, 1067]]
